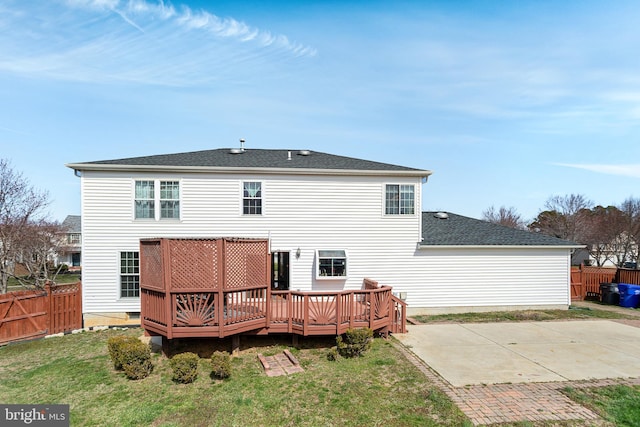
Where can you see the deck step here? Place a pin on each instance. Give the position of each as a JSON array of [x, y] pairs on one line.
[[280, 364]]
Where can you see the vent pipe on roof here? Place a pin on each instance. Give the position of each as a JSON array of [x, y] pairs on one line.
[[242, 144], [288, 155]]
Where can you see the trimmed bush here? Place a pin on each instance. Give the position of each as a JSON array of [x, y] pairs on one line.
[[354, 342], [115, 346], [185, 367], [332, 355], [220, 365], [136, 359]]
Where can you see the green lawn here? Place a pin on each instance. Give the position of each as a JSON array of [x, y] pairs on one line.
[[15, 285], [576, 313], [620, 405], [382, 388]]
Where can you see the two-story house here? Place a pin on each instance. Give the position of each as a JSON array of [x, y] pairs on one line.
[[70, 250], [331, 222]]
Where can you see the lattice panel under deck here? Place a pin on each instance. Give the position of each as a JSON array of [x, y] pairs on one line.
[[194, 264], [151, 265], [246, 264]]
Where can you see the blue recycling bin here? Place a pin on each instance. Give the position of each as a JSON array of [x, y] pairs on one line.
[[629, 295]]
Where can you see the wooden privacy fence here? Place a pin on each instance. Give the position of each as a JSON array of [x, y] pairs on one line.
[[585, 281], [35, 314]]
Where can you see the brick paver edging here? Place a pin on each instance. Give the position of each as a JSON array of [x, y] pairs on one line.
[[504, 403]]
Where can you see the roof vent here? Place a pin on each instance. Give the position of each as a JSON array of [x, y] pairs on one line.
[[236, 151], [441, 215], [304, 152]]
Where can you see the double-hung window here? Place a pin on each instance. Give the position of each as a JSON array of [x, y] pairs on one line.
[[145, 200], [399, 199], [129, 274], [332, 264], [169, 199], [157, 199], [252, 198]]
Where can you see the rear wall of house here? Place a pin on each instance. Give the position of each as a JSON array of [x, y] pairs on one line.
[[306, 212]]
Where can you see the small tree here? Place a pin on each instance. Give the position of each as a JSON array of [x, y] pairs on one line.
[[564, 217], [21, 208], [508, 217]]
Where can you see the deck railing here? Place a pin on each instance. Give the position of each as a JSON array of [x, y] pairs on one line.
[[204, 314], [218, 287]]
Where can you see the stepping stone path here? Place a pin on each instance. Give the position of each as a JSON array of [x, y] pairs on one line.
[[280, 364]]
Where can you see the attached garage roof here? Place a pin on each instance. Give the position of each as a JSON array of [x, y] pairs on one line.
[[448, 229]]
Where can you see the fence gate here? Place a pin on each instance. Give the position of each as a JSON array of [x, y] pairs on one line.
[[23, 315], [34, 314]]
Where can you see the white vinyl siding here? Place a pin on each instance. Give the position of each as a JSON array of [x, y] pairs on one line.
[[314, 213]]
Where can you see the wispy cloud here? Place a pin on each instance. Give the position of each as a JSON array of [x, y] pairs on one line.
[[629, 170], [136, 40]]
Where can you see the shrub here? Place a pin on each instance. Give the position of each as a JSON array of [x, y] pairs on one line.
[[354, 342], [220, 365], [115, 346], [332, 355], [185, 367], [136, 359]]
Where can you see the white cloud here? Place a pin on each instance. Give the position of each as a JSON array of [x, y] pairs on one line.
[[629, 170], [136, 40]]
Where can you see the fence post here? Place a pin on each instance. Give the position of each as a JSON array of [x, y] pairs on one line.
[[50, 306]]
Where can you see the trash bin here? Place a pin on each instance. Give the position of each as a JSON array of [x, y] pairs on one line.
[[609, 293], [629, 295]]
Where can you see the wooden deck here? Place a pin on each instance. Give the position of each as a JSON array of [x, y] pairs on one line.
[[204, 314], [226, 292]]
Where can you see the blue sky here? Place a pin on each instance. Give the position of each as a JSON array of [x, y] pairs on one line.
[[508, 103]]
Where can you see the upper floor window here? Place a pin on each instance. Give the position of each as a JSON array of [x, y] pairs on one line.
[[73, 238], [156, 195], [129, 274], [145, 199], [252, 198], [399, 199], [169, 199]]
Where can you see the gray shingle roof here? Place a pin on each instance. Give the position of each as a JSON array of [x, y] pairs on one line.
[[72, 224], [253, 158], [458, 230]]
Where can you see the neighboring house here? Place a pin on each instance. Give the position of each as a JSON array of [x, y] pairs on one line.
[[70, 251], [623, 249], [331, 221]]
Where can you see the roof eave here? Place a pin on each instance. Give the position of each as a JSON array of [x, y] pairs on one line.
[[218, 169], [423, 246]]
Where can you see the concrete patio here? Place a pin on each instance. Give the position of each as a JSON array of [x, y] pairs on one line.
[[495, 353]]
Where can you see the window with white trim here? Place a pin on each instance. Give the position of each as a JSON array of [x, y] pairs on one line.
[[331, 264], [129, 274], [157, 199], [252, 198], [145, 200], [399, 199], [170, 199]]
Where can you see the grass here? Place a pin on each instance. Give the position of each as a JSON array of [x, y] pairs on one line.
[[381, 388], [14, 285], [619, 405], [577, 313]]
